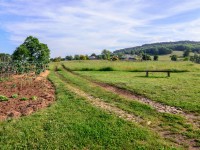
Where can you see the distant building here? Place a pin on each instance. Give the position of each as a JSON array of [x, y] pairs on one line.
[[92, 58], [129, 57]]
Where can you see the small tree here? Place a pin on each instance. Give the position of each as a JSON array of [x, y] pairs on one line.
[[69, 58], [76, 57], [155, 57], [57, 59], [82, 57], [106, 54], [146, 57], [186, 53], [87, 57], [174, 57]]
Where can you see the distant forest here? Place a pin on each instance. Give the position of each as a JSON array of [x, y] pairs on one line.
[[162, 48]]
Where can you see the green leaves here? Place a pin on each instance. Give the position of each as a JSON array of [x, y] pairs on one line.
[[32, 50], [3, 98], [20, 67]]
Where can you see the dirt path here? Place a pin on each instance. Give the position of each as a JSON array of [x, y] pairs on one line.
[[192, 118], [177, 139]]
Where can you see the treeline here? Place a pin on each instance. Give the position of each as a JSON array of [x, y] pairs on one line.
[[105, 55], [162, 48]]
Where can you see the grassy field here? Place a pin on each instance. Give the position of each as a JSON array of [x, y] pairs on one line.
[[181, 89], [72, 122], [99, 65], [168, 58]]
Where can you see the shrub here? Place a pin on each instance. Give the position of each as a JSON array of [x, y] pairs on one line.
[[114, 58], [174, 57], [155, 57], [3, 98], [146, 57], [186, 59]]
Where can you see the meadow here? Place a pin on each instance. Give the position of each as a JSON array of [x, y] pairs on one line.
[[181, 89], [85, 115]]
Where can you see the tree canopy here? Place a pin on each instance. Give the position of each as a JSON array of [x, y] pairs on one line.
[[32, 50]]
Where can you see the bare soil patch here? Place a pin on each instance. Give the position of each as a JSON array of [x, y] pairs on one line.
[[26, 95]]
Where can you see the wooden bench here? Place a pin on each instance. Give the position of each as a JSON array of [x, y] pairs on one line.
[[147, 72]]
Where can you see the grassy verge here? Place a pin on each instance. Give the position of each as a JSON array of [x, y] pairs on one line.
[[72, 123]]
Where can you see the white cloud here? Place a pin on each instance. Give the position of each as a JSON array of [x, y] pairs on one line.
[[87, 26]]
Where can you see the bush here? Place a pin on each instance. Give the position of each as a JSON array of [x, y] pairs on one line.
[[186, 59], [155, 57], [146, 57], [3, 98], [114, 58], [174, 57]]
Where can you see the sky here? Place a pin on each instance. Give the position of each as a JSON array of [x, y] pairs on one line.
[[72, 27]]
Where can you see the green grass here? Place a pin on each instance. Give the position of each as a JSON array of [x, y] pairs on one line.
[[72, 123], [181, 89], [168, 58], [99, 65], [173, 123]]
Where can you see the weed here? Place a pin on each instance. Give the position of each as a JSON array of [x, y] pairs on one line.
[[14, 96], [24, 99], [3, 98], [34, 98]]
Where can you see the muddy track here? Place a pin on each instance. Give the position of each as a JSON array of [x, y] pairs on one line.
[[177, 139], [194, 119]]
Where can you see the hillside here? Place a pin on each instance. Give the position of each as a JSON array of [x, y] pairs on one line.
[[162, 48]]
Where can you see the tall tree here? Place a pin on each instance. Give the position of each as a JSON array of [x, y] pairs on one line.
[[32, 50]]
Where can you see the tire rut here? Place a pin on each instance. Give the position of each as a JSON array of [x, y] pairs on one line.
[[177, 139], [194, 119]]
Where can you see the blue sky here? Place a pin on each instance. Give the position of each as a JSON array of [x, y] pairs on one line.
[[71, 27]]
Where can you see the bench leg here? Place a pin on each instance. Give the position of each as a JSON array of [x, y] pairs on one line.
[[147, 74], [168, 74]]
